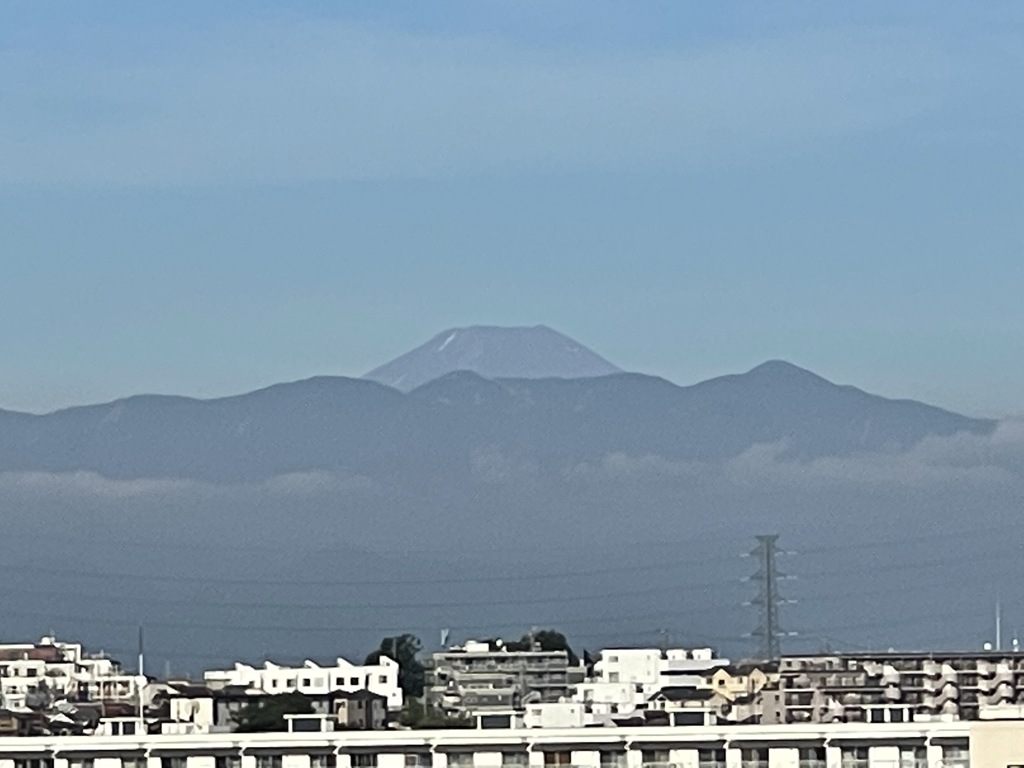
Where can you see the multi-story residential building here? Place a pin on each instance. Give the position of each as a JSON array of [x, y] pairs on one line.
[[478, 678], [958, 744], [894, 687], [32, 674], [198, 709], [626, 679], [314, 679]]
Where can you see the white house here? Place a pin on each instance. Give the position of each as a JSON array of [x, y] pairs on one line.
[[63, 670], [311, 678], [626, 678]]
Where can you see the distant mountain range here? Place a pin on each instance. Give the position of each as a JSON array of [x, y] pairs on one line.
[[494, 353], [541, 487], [360, 426]]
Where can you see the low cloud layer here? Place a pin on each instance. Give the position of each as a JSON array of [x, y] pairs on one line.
[[962, 459]]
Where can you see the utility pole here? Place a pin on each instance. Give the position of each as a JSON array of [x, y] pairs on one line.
[[768, 599]]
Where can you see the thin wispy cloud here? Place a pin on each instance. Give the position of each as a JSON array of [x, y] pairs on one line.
[[302, 101]]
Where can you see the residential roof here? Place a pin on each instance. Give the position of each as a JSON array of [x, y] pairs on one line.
[[683, 693]]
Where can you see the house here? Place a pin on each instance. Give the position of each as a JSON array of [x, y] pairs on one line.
[[36, 674], [360, 710], [198, 709], [312, 679], [733, 681]]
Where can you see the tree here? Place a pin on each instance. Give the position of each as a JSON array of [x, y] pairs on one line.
[[267, 714], [547, 640], [403, 650]]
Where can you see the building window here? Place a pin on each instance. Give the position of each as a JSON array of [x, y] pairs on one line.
[[323, 761], [654, 757], [710, 758], [811, 757], [364, 760], [33, 762], [754, 757], [613, 759], [460, 760], [955, 756], [176, 761], [306, 682], [84, 762], [289, 683], [613, 677], [514, 760], [227, 761], [854, 757], [418, 760], [133, 762], [382, 679], [353, 681], [913, 757], [557, 758], [268, 761]]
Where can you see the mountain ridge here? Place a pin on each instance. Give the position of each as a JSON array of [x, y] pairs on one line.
[[493, 352], [335, 422]]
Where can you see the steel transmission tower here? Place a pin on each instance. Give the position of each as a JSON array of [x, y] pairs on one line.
[[768, 598]]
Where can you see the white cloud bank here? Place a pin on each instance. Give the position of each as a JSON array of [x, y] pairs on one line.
[[936, 462], [95, 485]]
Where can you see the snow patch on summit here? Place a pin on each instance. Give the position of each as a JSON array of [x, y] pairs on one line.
[[447, 342]]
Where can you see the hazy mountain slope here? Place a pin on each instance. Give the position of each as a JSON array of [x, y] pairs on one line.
[[359, 426], [493, 352]]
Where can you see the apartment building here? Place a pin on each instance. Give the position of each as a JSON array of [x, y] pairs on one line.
[[958, 744], [480, 678], [625, 680], [894, 687], [313, 679], [36, 674]]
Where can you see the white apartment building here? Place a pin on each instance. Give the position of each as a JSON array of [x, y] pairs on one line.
[[625, 678], [311, 678], [976, 744], [64, 671]]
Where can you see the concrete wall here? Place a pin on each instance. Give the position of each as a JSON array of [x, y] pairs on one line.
[[997, 744]]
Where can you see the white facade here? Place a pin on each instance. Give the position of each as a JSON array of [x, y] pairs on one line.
[[934, 745], [561, 714], [602, 698], [311, 678], [625, 678], [64, 670]]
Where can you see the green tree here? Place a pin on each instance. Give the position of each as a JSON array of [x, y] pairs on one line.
[[267, 714], [403, 649], [546, 640]]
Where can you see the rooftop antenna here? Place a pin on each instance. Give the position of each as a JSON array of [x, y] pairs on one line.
[[142, 656], [999, 624], [142, 667]]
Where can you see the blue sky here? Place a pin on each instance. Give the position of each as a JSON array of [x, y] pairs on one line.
[[207, 197]]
